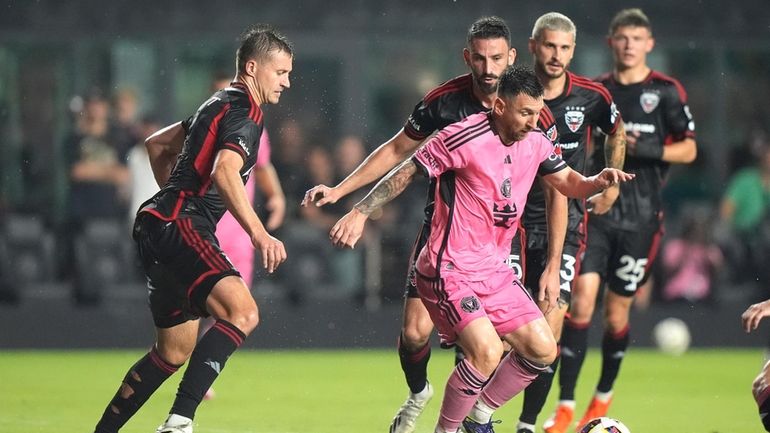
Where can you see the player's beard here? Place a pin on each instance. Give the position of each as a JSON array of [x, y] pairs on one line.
[[486, 88], [541, 68]]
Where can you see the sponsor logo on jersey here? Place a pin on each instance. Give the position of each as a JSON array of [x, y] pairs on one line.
[[640, 127], [505, 215], [470, 304], [505, 188], [574, 117], [431, 160], [649, 101], [570, 145], [242, 143], [614, 113]]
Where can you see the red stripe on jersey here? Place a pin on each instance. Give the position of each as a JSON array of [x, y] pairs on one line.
[[174, 213], [198, 280], [674, 81], [592, 85], [463, 82], [205, 158], [238, 149], [546, 119]]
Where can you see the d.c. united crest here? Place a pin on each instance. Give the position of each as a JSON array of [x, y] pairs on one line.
[[574, 119], [649, 101]]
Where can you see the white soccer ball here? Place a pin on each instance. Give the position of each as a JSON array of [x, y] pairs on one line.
[[672, 336], [604, 425]]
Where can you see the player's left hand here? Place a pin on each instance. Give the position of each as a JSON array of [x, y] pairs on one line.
[[754, 314], [599, 204], [548, 293], [348, 230], [276, 205]]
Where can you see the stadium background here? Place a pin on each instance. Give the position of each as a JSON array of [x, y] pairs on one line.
[[359, 68]]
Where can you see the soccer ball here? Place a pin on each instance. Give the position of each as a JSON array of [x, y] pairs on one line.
[[671, 336], [604, 425]]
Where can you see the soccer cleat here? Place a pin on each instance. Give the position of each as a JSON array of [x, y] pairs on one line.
[[406, 417], [524, 430], [596, 409], [560, 420], [471, 426], [177, 428]]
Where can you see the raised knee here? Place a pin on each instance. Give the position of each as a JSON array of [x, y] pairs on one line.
[[175, 355], [486, 358], [543, 351], [246, 320]]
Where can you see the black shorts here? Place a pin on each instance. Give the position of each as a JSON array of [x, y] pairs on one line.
[[182, 261], [622, 258], [411, 276], [529, 265]]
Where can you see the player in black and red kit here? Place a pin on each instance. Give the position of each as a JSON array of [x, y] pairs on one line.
[[623, 242], [202, 165], [579, 106], [487, 54]]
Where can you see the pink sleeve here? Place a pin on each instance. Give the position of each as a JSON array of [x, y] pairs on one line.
[[263, 154], [436, 158]]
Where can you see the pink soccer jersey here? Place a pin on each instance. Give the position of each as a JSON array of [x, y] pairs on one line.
[[481, 190]]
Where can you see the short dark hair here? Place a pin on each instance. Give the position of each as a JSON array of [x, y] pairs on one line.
[[633, 17], [258, 42], [519, 79], [489, 28]]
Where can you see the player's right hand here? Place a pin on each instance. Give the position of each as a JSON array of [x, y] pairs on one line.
[[754, 314], [272, 250], [320, 195], [348, 230]]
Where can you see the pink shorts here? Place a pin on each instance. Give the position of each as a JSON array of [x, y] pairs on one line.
[[453, 302]]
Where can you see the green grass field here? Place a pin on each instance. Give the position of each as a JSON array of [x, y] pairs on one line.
[[704, 391]]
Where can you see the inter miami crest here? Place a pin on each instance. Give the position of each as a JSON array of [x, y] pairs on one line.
[[649, 101], [469, 304], [574, 117], [505, 188]]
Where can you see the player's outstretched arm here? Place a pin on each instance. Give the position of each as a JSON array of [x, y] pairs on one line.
[[384, 158], [573, 184], [348, 230], [162, 148], [614, 157], [227, 179], [754, 314]]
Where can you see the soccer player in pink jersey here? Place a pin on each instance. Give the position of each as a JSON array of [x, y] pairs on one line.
[[484, 167], [760, 389]]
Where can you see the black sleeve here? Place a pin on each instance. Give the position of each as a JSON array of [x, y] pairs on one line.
[[677, 113], [423, 121], [237, 132]]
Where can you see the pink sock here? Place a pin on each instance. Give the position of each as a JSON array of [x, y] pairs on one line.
[[512, 375], [462, 390]]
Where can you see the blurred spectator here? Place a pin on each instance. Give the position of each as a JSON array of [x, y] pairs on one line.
[[126, 127], [744, 213], [97, 172], [289, 162], [691, 261]]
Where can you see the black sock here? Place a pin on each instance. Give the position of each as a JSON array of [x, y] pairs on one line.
[[207, 361], [574, 344], [536, 393], [764, 413], [613, 351], [415, 366], [140, 382]]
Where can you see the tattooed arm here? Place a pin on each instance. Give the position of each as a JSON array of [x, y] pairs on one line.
[[350, 227], [614, 157]]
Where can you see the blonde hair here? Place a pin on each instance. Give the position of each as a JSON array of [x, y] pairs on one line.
[[554, 21]]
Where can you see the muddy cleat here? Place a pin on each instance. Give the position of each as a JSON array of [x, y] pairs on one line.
[[406, 417], [596, 409], [471, 426], [560, 420]]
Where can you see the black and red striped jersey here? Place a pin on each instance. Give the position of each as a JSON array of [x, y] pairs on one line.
[[230, 120], [452, 102], [655, 108], [583, 106]]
